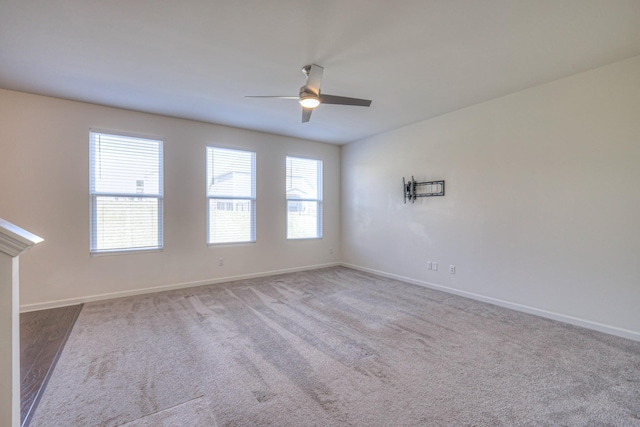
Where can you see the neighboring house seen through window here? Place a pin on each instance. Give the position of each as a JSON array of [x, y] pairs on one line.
[[231, 193], [126, 188], [304, 198]]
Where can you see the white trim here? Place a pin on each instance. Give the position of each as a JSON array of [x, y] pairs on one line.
[[112, 252], [15, 240], [162, 288], [210, 156], [317, 200], [600, 327], [128, 134], [94, 139]]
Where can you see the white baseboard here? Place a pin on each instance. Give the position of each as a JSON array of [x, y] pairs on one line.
[[612, 330], [90, 298]]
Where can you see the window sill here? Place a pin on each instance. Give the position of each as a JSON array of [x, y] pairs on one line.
[[125, 252], [210, 245], [303, 238]]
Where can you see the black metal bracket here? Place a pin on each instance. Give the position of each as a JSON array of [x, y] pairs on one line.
[[433, 188]]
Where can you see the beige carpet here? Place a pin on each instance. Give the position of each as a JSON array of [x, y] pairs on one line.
[[334, 347]]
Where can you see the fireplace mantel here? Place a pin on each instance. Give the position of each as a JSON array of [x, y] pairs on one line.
[[14, 241]]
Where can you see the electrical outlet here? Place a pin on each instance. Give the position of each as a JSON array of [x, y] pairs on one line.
[[434, 266], [429, 265], [330, 251], [221, 262], [452, 269]]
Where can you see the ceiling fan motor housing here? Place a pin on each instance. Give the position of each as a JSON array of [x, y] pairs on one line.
[[308, 98]]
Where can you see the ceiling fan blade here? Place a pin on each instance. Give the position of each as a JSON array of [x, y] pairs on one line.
[[315, 78], [306, 114], [343, 100], [310, 96], [272, 96]]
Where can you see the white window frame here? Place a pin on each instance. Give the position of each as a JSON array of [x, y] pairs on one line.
[[232, 200], [94, 195], [317, 200]]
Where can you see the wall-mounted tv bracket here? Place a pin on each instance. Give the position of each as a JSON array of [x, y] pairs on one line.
[[433, 188]]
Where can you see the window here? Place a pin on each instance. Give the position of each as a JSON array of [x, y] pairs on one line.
[[126, 193], [231, 193], [304, 198]]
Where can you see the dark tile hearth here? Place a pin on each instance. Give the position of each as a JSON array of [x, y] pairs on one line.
[[42, 337]]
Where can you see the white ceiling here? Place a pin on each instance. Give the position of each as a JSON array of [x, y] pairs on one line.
[[197, 59]]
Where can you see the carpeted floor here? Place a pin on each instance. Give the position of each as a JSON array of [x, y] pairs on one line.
[[334, 347]]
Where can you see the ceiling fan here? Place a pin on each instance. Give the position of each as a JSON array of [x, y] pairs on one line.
[[310, 96]]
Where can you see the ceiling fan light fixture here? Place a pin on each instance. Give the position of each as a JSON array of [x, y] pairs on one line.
[[309, 101], [310, 96]]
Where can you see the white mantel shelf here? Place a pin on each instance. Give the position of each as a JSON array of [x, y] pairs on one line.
[[13, 242]]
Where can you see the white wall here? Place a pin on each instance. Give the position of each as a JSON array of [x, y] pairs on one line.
[[44, 171], [541, 211], [542, 204]]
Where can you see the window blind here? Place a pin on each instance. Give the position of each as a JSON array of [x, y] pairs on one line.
[[304, 198], [126, 189], [231, 193]]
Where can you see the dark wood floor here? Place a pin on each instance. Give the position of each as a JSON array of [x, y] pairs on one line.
[[42, 337]]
